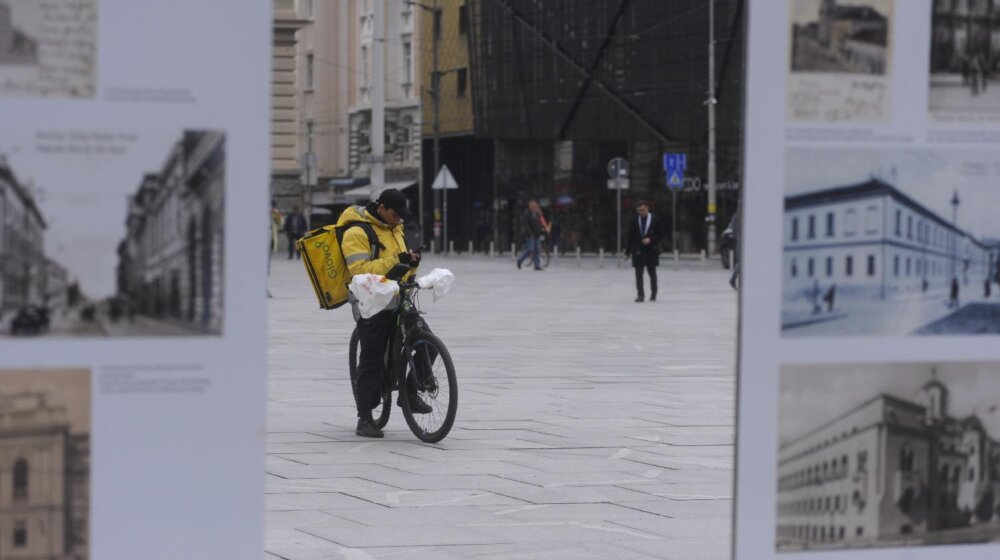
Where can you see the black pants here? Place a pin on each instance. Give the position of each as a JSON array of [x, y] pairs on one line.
[[292, 238], [374, 340], [651, 268]]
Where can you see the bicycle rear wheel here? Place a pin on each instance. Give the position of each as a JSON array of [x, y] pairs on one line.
[[545, 257], [430, 362], [381, 412]]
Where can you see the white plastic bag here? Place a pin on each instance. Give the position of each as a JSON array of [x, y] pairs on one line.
[[373, 292], [439, 280]]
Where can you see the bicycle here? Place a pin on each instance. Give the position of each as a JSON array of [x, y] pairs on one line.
[[413, 349]]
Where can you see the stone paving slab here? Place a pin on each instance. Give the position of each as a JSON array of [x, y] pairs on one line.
[[589, 426]]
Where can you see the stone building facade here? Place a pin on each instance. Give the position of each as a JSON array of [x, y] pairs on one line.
[[45, 481]]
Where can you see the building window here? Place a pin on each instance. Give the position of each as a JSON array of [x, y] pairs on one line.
[[407, 62], [829, 267], [871, 265], [829, 224], [906, 458], [463, 19], [842, 531], [909, 227], [795, 268], [810, 267], [437, 24], [21, 480], [309, 71], [907, 266], [871, 220], [972, 473], [895, 265], [463, 81], [860, 531], [795, 229], [899, 223], [20, 534], [849, 266], [812, 227], [850, 222]]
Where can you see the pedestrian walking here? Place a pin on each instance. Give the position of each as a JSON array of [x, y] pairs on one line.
[[531, 233], [295, 228], [643, 246], [953, 299], [734, 227]]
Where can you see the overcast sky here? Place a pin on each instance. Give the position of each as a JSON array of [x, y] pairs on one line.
[[930, 178], [806, 11], [68, 388], [84, 199], [813, 395]]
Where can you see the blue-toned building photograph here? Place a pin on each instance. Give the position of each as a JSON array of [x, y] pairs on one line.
[[890, 243]]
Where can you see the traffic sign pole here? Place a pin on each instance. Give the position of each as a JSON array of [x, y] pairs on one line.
[[618, 191]]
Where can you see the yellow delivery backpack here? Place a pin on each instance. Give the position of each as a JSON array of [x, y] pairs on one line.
[[324, 261]]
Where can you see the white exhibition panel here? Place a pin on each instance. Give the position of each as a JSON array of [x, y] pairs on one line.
[[144, 117], [833, 357]]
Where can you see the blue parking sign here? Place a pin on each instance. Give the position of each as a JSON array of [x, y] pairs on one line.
[[674, 166]]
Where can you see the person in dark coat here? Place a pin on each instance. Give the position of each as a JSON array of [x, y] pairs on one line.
[[531, 232], [643, 246], [295, 228]]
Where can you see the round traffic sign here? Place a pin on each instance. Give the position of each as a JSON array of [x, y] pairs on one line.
[[618, 167]]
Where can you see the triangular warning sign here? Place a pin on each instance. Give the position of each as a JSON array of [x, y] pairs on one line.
[[675, 179], [444, 180]]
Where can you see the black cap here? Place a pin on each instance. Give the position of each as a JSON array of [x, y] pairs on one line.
[[393, 198]]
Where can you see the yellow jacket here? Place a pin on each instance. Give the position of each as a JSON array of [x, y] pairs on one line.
[[358, 252]]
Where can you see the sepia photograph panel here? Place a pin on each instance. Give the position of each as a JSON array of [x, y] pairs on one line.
[[890, 242], [840, 36], [839, 60], [45, 457], [112, 234], [902, 454], [964, 59], [48, 49]]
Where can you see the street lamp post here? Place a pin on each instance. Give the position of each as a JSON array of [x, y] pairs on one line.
[[711, 127]]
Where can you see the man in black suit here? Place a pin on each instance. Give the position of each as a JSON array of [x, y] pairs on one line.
[[644, 248]]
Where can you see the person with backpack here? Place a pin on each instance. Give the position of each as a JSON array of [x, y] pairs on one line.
[[373, 243]]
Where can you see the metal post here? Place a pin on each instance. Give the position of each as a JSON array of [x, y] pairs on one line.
[[309, 181], [618, 193], [491, 248], [578, 263], [436, 97], [600, 257], [378, 98], [674, 223], [444, 195], [470, 247], [711, 126]]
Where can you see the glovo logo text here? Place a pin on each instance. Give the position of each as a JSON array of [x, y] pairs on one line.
[[328, 264]]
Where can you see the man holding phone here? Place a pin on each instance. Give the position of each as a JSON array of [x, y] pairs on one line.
[[392, 259]]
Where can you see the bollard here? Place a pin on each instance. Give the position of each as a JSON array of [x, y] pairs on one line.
[[578, 263], [677, 255], [702, 255], [513, 251], [470, 248], [451, 248], [433, 246], [491, 248], [600, 257]]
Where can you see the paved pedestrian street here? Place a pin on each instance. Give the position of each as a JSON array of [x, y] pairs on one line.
[[589, 426]]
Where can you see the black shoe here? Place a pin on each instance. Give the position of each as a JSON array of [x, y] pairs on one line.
[[519, 265], [652, 297], [367, 428], [539, 268], [639, 299], [417, 406]]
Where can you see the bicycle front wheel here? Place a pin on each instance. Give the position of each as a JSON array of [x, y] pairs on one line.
[[546, 257], [381, 411], [434, 377]]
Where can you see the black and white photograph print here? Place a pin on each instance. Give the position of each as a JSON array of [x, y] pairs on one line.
[[840, 36], [891, 242], [48, 48], [965, 60], [112, 233], [899, 454], [45, 462]]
